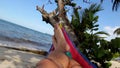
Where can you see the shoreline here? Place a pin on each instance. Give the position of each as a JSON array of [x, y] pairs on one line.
[[27, 50], [23, 46], [20, 43]]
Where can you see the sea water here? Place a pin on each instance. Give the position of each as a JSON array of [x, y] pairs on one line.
[[23, 37]]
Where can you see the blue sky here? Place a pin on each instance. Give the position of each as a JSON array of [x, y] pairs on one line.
[[23, 12]]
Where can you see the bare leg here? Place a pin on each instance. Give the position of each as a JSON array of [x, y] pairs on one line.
[[58, 57], [61, 47]]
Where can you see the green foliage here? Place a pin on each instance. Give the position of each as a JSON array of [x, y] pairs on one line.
[[117, 31], [115, 45], [101, 32], [91, 44], [116, 55]]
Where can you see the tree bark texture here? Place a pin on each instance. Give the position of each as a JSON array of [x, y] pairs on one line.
[[59, 16]]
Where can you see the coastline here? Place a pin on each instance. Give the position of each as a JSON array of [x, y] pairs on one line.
[[22, 46]]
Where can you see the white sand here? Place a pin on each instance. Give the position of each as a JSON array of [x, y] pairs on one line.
[[10, 58], [115, 64]]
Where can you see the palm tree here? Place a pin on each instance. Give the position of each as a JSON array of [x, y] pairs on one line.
[[117, 31], [84, 23]]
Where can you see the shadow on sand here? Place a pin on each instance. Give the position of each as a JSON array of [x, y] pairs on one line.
[[10, 58]]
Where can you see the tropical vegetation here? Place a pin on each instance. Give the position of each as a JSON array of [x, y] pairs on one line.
[[96, 48]]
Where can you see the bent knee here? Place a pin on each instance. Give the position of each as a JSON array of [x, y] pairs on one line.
[[45, 63]]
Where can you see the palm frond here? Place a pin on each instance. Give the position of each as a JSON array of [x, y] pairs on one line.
[[117, 31], [116, 4], [89, 16], [101, 1], [95, 8], [101, 32]]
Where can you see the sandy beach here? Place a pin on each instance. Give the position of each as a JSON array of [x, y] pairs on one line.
[[15, 58], [115, 64], [10, 58]]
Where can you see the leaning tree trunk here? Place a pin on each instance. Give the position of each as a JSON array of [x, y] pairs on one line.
[[59, 16]]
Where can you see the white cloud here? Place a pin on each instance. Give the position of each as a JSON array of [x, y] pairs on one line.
[[110, 30]]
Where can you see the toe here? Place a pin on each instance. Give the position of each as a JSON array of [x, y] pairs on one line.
[[54, 42]]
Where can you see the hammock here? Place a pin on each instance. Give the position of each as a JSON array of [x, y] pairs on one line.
[[77, 56]]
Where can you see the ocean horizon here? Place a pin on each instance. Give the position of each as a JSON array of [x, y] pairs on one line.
[[14, 35]]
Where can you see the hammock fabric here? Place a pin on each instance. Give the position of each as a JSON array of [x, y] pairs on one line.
[[77, 56]]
